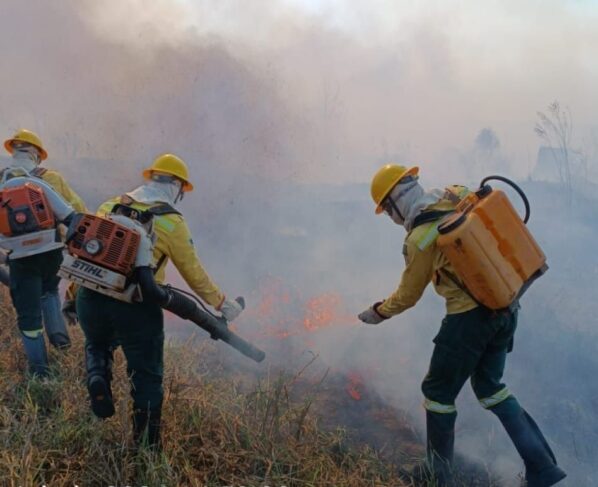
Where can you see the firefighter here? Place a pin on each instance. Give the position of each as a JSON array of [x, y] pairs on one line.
[[473, 341], [139, 327], [28, 152], [34, 251]]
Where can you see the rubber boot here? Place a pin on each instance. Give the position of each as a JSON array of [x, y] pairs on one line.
[[54, 321], [441, 445], [37, 357], [440, 432], [98, 361], [541, 469], [146, 428]]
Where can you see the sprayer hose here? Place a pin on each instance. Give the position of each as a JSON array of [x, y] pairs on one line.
[[515, 187]]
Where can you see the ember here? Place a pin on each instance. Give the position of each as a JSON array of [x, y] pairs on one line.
[[354, 385]]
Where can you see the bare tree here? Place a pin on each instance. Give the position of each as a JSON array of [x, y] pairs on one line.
[[555, 128]]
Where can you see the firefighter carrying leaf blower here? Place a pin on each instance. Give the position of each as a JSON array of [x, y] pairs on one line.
[[114, 259], [480, 257], [30, 212], [28, 152]]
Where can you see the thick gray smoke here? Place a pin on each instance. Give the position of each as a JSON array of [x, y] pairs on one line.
[[283, 114]]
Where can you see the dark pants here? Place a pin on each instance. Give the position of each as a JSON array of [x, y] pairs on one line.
[[30, 278], [472, 345], [139, 329]]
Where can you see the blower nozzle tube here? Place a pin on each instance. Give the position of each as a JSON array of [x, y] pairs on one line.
[[179, 304]]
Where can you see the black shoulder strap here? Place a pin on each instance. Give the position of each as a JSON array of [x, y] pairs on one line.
[[430, 216], [163, 209], [39, 172]]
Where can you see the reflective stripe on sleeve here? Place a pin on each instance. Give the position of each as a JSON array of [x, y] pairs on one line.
[[495, 399], [429, 237], [437, 407]]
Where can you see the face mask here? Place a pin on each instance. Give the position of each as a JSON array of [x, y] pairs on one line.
[[26, 158]]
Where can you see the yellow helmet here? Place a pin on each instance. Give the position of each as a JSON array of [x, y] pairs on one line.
[[29, 137], [172, 165], [386, 179]]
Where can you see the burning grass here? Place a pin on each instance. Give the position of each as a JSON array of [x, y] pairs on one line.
[[218, 430], [221, 427]]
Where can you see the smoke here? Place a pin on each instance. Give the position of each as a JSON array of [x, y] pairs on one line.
[[283, 111]]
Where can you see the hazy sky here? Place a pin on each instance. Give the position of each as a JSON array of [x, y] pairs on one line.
[[353, 83]]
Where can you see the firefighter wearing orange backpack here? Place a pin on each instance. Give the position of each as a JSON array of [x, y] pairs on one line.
[[28, 153], [473, 340], [138, 327], [30, 212]]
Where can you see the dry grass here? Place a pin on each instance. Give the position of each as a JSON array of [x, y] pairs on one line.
[[215, 432]]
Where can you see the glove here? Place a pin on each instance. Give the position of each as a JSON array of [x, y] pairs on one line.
[[232, 309], [371, 316], [69, 311]]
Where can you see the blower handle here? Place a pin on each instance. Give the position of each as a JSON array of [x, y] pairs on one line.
[[515, 187]]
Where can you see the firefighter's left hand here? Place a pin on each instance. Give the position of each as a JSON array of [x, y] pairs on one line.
[[231, 309], [69, 311], [371, 316]]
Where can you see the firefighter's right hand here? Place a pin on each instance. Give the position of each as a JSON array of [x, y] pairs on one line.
[[69, 311], [231, 309]]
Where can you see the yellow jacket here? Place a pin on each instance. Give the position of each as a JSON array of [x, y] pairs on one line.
[[174, 241], [424, 263], [55, 179]]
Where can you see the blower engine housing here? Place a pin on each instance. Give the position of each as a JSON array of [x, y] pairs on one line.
[[24, 209]]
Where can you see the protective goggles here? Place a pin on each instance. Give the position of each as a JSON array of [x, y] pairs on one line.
[[20, 145]]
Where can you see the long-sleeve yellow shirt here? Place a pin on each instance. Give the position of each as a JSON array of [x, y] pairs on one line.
[[174, 242], [55, 179], [424, 262]]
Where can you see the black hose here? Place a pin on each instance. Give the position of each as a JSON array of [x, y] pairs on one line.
[[515, 187], [176, 302]]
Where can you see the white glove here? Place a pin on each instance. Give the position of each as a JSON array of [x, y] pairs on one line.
[[232, 309], [371, 316]]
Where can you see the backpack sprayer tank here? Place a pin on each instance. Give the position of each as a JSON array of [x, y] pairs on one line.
[[490, 248], [29, 214]]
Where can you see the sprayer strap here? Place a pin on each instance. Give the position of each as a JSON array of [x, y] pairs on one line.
[[39, 172], [160, 262], [163, 209], [430, 216]]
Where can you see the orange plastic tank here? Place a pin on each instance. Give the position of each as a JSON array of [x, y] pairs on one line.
[[491, 249]]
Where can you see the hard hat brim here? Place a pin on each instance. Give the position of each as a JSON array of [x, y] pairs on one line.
[[187, 186], [42, 152], [412, 171]]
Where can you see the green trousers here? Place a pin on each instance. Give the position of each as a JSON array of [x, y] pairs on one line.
[[139, 329], [471, 345], [30, 278]]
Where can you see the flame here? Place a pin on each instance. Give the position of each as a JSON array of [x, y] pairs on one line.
[[283, 312], [321, 311], [354, 385]]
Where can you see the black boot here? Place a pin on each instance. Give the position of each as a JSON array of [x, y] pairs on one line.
[[441, 445], [439, 450], [98, 360], [146, 428], [541, 469]]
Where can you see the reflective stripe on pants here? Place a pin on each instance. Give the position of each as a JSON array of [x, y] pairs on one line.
[[494, 399], [436, 407]]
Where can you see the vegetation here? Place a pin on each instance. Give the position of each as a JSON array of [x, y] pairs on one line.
[[217, 430]]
